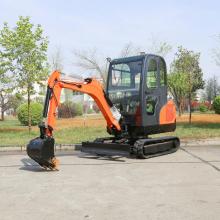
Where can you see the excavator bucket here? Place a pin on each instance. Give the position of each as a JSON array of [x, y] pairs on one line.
[[41, 150]]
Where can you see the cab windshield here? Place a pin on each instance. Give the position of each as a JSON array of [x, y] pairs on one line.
[[124, 86], [125, 76]]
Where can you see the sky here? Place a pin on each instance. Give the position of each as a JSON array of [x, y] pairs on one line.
[[108, 25]]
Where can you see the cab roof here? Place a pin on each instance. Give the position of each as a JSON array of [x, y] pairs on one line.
[[132, 58]]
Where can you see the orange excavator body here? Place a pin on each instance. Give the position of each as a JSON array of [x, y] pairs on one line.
[[134, 106]]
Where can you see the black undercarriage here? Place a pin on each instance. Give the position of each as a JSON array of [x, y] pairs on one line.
[[138, 148]]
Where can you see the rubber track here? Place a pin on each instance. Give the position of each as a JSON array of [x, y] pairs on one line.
[[139, 146]]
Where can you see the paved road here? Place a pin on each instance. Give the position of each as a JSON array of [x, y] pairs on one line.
[[184, 185]]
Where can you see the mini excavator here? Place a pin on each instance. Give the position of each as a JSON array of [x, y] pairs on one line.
[[134, 105]]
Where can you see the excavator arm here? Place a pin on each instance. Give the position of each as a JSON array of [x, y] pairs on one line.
[[91, 87], [41, 149]]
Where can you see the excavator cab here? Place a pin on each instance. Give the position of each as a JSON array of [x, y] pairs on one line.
[[137, 86]]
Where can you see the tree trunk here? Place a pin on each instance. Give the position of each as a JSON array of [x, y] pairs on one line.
[[29, 115], [2, 115], [190, 109], [2, 108], [179, 109], [182, 108]]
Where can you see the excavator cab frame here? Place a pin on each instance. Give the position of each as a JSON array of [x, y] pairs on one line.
[[141, 94]]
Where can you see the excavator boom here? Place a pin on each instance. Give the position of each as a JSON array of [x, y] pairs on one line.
[[90, 86]]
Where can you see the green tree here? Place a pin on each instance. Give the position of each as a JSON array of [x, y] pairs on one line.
[[14, 102], [187, 62], [178, 88], [6, 84], [26, 48], [216, 105], [5, 98]]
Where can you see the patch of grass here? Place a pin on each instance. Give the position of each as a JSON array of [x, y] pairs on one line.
[[12, 133], [198, 130], [9, 123], [16, 137], [77, 135], [195, 130]]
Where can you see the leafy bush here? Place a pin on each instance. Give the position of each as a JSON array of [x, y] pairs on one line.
[[203, 108], [78, 109], [35, 112], [216, 105], [69, 110]]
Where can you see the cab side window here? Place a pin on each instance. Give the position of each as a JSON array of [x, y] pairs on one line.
[[151, 76], [163, 79]]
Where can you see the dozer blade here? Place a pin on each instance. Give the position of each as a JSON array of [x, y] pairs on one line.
[[42, 151], [141, 148], [106, 149]]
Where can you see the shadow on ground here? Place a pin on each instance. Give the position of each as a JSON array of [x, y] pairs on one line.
[[30, 165]]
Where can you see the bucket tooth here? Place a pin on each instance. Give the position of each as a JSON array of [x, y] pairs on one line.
[[55, 163]]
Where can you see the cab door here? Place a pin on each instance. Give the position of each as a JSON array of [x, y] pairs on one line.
[[155, 90]]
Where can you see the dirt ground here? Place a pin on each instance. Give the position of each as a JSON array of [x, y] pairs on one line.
[[98, 120], [200, 118], [88, 121]]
